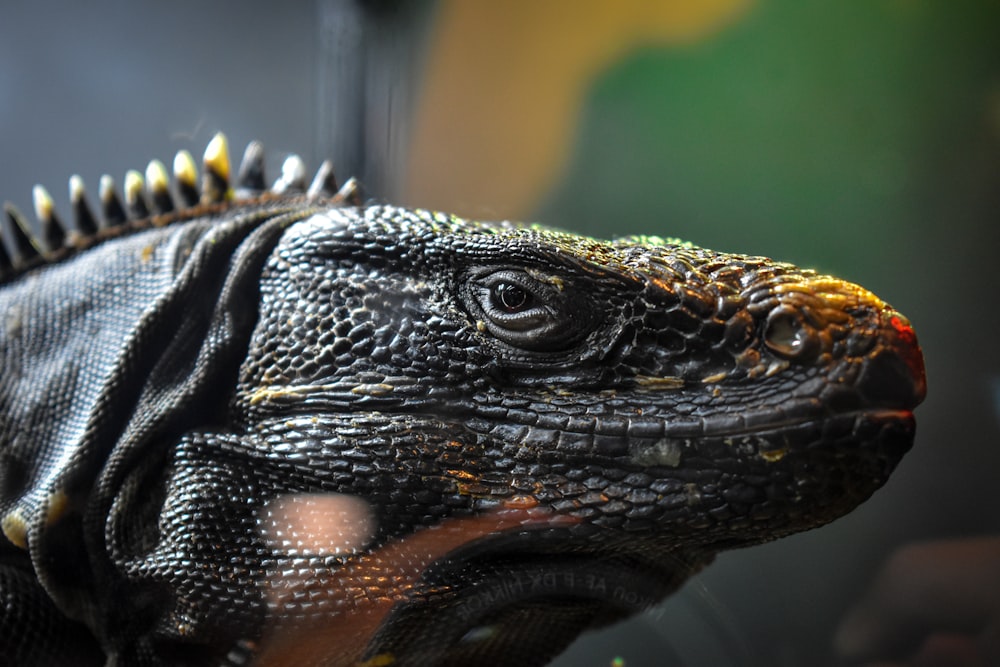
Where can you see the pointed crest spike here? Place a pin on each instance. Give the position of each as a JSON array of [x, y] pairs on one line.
[[293, 176], [77, 189], [324, 184], [350, 192], [111, 205], [251, 176], [215, 179], [53, 232], [135, 202], [158, 184], [21, 236], [186, 175], [44, 206], [83, 216]]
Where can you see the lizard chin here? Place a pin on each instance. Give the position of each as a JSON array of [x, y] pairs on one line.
[[504, 581]]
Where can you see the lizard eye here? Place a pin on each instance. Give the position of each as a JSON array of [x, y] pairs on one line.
[[511, 298], [789, 336], [529, 312]]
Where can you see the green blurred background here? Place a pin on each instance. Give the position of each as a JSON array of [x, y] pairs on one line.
[[862, 139]]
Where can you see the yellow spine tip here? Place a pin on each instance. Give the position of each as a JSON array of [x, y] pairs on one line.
[[43, 202], [133, 184], [185, 170], [217, 156], [156, 177]]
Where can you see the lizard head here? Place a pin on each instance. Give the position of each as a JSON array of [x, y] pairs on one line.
[[641, 382], [669, 400]]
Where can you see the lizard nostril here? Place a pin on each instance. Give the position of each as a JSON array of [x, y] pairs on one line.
[[894, 375], [788, 335]]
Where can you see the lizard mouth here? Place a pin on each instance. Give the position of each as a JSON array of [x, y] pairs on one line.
[[889, 431], [660, 440]]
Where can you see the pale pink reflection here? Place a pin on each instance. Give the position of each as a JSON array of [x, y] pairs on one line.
[[351, 600], [317, 524]]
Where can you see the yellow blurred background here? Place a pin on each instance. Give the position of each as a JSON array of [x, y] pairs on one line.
[[504, 84]]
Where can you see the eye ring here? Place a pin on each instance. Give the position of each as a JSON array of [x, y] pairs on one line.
[[788, 335], [528, 311]]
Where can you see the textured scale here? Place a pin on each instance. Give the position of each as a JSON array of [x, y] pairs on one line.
[[278, 425]]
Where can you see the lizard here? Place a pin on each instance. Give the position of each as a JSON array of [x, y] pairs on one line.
[[507, 434]]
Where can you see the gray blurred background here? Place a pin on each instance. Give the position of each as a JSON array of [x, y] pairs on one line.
[[861, 138]]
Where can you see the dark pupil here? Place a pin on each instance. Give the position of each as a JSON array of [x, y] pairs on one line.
[[510, 297]]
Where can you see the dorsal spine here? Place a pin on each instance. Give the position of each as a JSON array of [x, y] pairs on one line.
[[149, 202]]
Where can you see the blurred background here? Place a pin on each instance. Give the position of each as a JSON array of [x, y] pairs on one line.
[[859, 137]]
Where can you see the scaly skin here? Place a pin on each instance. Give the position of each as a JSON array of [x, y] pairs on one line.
[[585, 424]]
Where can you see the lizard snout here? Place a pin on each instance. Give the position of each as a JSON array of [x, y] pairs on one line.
[[893, 375]]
